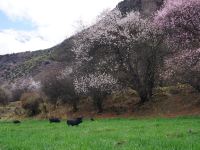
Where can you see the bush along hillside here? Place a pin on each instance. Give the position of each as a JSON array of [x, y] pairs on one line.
[[139, 45]]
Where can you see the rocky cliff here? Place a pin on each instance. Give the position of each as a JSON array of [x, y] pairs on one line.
[[146, 7]]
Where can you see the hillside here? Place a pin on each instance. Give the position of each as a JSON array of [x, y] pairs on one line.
[[33, 64], [163, 101]]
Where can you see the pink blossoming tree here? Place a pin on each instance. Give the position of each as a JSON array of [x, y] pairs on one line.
[[180, 20]]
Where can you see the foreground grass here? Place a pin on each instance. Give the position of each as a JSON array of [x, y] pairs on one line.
[[106, 134]]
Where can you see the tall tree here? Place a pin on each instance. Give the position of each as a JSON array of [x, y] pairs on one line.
[[136, 46], [180, 20]]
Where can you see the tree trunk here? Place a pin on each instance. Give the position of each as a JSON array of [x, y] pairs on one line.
[[195, 84], [150, 88], [197, 88], [144, 97], [99, 105], [75, 109]]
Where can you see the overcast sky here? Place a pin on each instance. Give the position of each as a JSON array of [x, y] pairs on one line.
[[38, 24]]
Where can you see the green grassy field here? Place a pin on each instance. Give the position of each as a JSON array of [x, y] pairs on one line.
[[103, 134]]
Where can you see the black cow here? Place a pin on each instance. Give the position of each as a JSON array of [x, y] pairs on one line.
[[54, 120], [16, 121], [75, 122]]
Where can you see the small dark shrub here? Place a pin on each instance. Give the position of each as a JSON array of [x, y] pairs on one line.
[[16, 94], [119, 109], [31, 102], [3, 97]]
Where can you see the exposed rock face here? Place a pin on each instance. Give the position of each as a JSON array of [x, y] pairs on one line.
[[146, 7], [129, 5], [150, 6]]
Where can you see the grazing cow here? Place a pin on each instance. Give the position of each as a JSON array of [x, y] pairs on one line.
[[74, 122], [16, 121], [54, 120]]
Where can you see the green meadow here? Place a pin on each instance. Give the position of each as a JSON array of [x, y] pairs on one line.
[[181, 133]]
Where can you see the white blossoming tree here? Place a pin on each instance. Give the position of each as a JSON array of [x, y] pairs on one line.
[[96, 85], [21, 86], [136, 46]]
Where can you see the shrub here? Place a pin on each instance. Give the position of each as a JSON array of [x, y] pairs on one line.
[[59, 87], [3, 97], [23, 86], [52, 87], [31, 102], [119, 109], [174, 89], [16, 94]]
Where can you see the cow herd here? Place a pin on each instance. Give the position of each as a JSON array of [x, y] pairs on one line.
[[71, 122]]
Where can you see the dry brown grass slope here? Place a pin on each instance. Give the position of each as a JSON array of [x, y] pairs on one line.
[[167, 102]]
